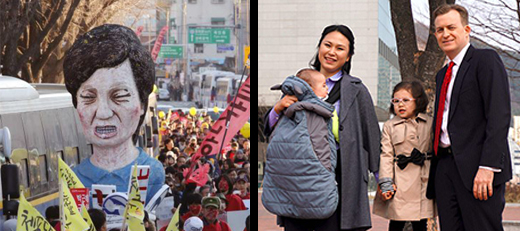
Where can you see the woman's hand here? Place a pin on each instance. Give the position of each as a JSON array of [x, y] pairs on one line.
[[285, 102]]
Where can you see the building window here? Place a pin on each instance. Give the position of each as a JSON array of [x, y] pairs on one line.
[[199, 48], [217, 1], [192, 1], [218, 21]]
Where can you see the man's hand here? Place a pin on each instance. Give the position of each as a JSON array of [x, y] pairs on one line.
[[483, 184], [285, 102]]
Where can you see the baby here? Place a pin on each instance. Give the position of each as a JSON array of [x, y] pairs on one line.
[[316, 80]]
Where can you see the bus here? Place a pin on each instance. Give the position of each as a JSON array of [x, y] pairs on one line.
[[207, 82], [44, 126]]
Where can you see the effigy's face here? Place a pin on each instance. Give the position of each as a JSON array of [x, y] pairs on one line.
[[109, 107]]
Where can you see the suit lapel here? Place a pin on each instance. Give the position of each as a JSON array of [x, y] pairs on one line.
[[458, 81], [348, 95]]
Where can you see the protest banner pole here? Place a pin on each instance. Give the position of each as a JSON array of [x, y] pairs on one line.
[[228, 116], [62, 208]]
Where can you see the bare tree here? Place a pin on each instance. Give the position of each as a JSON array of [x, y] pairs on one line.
[[415, 64], [34, 34], [497, 25]]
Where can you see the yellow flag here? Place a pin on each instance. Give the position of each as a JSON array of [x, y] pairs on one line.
[[134, 210], [174, 222], [73, 221], [134, 224], [86, 217], [68, 175], [29, 218]]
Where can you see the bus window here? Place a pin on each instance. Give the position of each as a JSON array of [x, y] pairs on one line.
[[68, 127], [71, 156], [34, 136], [83, 145], [24, 173], [15, 125], [43, 169], [52, 130]]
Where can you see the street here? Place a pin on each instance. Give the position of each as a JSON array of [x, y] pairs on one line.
[[267, 221]]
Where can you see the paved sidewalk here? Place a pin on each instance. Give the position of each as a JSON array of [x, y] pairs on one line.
[[267, 221]]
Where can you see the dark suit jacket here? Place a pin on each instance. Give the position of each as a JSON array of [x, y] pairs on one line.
[[479, 117]]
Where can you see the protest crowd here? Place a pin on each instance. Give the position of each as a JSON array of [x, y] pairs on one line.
[[202, 202]]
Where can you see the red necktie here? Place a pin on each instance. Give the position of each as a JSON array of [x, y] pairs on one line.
[[440, 110]]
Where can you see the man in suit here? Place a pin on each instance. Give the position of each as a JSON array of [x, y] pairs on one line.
[[472, 114]]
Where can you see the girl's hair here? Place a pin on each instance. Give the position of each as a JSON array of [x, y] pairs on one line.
[[418, 93], [345, 31]]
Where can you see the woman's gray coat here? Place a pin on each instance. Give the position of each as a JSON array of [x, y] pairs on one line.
[[359, 139]]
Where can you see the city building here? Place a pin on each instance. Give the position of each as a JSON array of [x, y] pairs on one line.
[[290, 30]]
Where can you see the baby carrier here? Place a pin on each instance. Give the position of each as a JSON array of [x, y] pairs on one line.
[[299, 180]]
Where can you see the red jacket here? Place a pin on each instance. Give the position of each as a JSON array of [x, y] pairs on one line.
[[234, 203], [217, 226]]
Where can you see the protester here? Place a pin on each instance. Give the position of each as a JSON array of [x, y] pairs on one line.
[[241, 185], [210, 212], [234, 202], [193, 224], [52, 214], [194, 202], [98, 218]]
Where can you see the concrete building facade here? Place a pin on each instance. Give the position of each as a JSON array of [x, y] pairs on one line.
[[290, 30]]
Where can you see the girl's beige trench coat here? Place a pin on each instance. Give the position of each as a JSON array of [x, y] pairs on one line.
[[401, 136]]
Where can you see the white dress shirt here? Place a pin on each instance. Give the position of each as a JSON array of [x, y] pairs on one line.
[[444, 140]]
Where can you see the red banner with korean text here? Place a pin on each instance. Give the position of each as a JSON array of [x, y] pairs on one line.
[[239, 117], [158, 43]]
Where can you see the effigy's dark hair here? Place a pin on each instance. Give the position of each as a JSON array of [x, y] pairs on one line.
[[108, 46]]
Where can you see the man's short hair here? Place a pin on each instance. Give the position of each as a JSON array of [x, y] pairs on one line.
[[445, 8]]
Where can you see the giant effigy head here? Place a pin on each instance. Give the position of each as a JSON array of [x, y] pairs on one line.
[[110, 75]]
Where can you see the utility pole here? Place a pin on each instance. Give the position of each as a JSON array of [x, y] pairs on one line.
[[185, 38]]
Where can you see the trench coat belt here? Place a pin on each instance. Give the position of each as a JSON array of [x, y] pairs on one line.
[[416, 157]]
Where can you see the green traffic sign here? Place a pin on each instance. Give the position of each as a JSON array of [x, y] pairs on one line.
[[212, 35], [171, 51]]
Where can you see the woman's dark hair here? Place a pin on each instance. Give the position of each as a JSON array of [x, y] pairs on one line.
[[108, 46], [418, 93], [230, 184], [345, 31], [98, 218]]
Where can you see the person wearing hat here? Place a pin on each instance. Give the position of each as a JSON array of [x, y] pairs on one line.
[[240, 157], [241, 185], [211, 206]]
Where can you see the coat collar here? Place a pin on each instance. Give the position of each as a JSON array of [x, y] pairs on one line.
[[349, 92], [420, 117]]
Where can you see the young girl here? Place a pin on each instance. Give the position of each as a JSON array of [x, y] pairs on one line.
[[404, 164]]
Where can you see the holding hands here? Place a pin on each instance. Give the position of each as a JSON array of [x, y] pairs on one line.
[[387, 188]]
